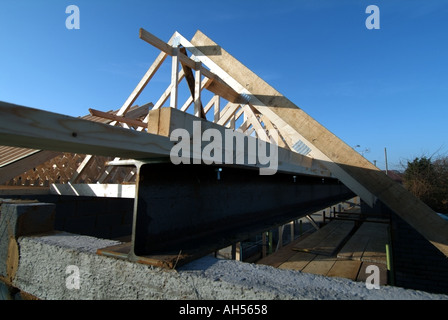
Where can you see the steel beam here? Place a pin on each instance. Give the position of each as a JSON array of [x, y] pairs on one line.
[[183, 212]]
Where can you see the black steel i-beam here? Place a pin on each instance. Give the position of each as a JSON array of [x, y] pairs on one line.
[[182, 212]]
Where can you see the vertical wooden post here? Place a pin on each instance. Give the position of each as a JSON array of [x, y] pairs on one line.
[[197, 90], [263, 244], [270, 242], [291, 224], [174, 78], [232, 122], [236, 251], [280, 238], [216, 110]]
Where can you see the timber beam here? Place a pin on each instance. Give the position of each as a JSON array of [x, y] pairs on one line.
[[37, 129]]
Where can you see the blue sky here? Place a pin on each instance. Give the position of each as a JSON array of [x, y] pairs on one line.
[[385, 88]]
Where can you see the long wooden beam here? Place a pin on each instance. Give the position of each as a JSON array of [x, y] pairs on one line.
[[32, 128], [347, 164]]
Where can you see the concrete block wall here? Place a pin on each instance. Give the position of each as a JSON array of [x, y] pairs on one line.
[[93, 216]]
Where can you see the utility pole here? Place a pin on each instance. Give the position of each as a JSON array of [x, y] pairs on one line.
[[385, 156]]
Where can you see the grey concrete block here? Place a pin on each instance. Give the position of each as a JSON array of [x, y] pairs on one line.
[[66, 266], [21, 219]]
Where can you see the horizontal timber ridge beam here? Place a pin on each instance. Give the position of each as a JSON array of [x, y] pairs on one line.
[[33, 128], [346, 164]]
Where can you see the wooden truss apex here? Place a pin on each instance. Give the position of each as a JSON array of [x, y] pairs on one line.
[[217, 85]]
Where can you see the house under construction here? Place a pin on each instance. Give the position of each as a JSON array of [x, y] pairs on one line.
[[109, 175]]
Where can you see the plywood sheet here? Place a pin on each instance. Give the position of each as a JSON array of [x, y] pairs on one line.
[[298, 261], [327, 240], [345, 269], [367, 244], [320, 265]]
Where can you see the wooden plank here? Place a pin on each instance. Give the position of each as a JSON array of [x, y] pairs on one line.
[[227, 112], [315, 238], [281, 256], [270, 128], [198, 110], [142, 84], [16, 168], [320, 265], [367, 244], [174, 78], [333, 241], [261, 133], [21, 190], [190, 99], [345, 269], [219, 87], [110, 116], [79, 171], [33, 128], [167, 93], [348, 165], [156, 42], [163, 121], [138, 111], [298, 261], [121, 250], [328, 239]]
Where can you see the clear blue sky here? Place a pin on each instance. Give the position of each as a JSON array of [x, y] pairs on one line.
[[373, 88]]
